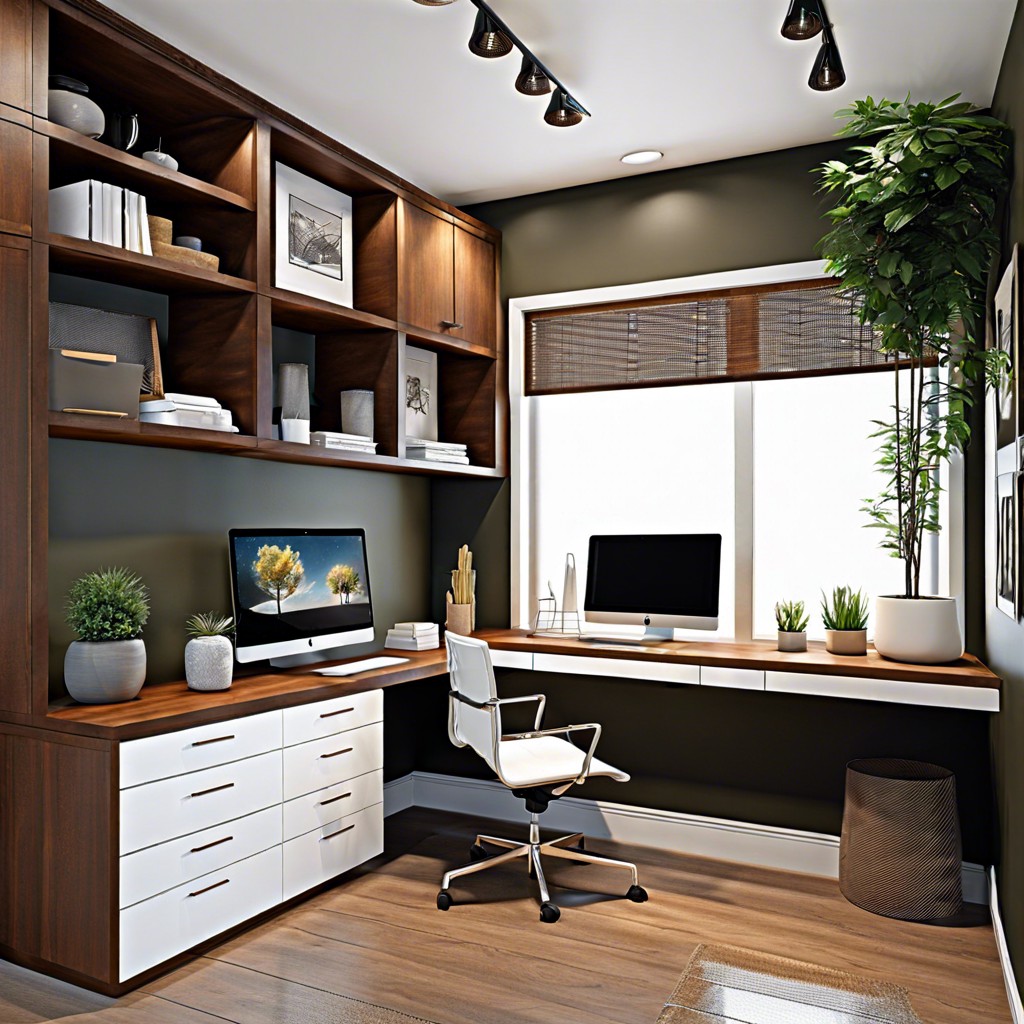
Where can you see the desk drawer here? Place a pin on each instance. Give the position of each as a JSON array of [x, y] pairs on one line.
[[616, 668], [314, 810], [190, 750], [158, 928], [166, 865], [169, 808], [733, 678], [324, 762], [511, 659], [332, 850], [328, 717]]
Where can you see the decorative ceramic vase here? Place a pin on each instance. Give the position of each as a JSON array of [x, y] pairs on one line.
[[846, 641], [122, 130], [792, 642], [209, 663], [293, 394], [923, 630], [69, 106], [164, 160], [106, 672], [357, 412]]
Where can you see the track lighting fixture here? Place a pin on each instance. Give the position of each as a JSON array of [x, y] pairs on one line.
[[804, 20], [493, 38]]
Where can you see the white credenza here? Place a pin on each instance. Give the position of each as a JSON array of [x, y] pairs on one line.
[[222, 822]]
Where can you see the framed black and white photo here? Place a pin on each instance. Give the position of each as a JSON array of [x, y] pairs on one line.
[[313, 237], [1006, 336], [420, 393], [1009, 490]]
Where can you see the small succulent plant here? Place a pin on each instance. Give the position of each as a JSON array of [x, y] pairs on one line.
[[791, 616], [848, 610], [210, 624]]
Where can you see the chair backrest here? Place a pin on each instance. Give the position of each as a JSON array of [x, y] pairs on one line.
[[472, 677]]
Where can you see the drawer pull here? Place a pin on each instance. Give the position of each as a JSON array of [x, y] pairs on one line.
[[451, 325], [347, 828], [216, 885], [215, 789], [210, 846], [331, 714], [336, 753], [216, 739], [334, 799]]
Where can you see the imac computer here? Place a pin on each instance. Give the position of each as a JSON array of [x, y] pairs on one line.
[[298, 591], [661, 581]]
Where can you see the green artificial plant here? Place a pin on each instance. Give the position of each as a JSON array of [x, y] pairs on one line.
[[913, 237], [111, 604], [791, 616], [209, 624], [847, 610]]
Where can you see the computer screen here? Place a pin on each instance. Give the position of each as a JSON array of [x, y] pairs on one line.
[[295, 591]]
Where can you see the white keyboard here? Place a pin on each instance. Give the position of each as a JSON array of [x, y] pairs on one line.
[[366, 665]]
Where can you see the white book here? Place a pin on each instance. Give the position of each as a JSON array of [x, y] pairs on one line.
[[200, 400], [128, 218], [418, 442], [328, 436], [147, 245], [412, 643], [429, 456], [117, 216], [73, 209], [414, 628], [106, 219]]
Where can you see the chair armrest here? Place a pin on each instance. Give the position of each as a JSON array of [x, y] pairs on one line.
[[585, 770], [539, 697]]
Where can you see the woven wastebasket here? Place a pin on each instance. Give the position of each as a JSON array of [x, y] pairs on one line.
[[899, 855]]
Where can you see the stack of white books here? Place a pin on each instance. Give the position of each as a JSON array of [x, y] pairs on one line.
[[436, 451], [99, 212], [414, 636], [345, 442], [187, 411]]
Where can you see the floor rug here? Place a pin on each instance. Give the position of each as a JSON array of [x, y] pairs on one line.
[[728, 985]]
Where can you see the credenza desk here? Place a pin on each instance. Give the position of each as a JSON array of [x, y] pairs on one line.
[[133, 834]]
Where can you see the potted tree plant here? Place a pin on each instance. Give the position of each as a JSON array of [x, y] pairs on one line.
[[792, 619], [209, 656], [107, 609], [912, 236], [846, 621]]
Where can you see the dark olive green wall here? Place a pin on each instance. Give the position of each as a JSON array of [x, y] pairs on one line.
[[1004, 638]]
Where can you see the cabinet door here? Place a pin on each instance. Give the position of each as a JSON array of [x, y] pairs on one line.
[[476, 300], [16, 53], [426, 283], [15, 177]]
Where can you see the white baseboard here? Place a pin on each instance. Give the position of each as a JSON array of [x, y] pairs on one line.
[[1012, 991], [767, 846]]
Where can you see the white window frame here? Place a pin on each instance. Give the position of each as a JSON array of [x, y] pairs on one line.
[[524, 600]]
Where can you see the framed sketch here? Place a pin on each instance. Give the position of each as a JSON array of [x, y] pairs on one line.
[[420, 393], [1006, 332], [312, 237], [1009, 491]]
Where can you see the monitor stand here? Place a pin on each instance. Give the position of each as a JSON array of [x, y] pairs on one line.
[[652, 635]]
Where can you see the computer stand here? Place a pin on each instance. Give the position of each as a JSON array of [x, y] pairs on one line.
[[652, 635]]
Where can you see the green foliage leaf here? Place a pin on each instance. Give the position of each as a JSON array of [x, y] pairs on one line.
[[110, 604]]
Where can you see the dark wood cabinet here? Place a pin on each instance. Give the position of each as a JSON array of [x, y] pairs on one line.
[[16, 53], [476, 288]]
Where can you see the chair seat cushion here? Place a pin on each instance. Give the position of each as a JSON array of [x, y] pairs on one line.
[[544, 759]]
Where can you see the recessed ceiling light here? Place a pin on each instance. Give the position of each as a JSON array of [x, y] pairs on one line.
[[642, 156]]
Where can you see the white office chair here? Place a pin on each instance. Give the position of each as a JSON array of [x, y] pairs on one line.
[[538, 766]]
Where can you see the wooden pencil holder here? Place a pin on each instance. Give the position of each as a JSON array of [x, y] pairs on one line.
[[460, 619]]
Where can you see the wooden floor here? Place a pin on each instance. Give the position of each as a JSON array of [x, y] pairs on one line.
[[377, 937]]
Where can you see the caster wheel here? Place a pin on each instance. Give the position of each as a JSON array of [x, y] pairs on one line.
[[637, 893], [549, 913], [477, 852], [444, 901]]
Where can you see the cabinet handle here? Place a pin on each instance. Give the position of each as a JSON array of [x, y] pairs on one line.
[[347, 828], [210, 846], [216, 739], [334, 799], [451, 325], [216, 885], [331, 714], [336, 753], [215, 789]]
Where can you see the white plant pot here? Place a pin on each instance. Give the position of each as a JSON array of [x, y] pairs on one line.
[[209, 663], [921, 630], [792, 642], [846, 641], [296, 431], [105, 673]]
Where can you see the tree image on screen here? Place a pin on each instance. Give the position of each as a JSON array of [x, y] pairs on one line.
[[343, 581], [278, 572]]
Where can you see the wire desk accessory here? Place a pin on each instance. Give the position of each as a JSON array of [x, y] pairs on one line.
[[552, 622]]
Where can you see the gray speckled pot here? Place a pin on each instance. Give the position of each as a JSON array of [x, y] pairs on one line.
[[105, 673], [209, 662]]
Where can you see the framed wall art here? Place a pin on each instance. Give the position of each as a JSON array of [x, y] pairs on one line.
[[420, 393], [1009, 534], [312, 237], [1006, 333]]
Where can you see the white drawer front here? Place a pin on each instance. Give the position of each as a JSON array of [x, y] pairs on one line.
[[659, 671], [735, 678], [327, 717], [329, 851], [158, 868], [512, 659], [324, 762], [190, 750], [162, 810], [314, 810], [158, 928]]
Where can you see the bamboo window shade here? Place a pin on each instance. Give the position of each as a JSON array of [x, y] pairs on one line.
[[797, 329]]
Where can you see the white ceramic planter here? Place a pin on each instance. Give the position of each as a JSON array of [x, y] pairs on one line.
[[105, 673], [209, 663], [846, 641], [922, 630], [792, 642]]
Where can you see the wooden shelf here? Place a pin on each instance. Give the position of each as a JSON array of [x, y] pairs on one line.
[[306, 313], [82, 427], [109, 263], [444, 342], [81, 157]]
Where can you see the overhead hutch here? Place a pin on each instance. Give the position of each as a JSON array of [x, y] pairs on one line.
[[98, 828]]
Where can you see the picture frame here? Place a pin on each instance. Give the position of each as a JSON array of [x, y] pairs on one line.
[[420, 386], [1009, 533], [1006, 335], [312, 237]]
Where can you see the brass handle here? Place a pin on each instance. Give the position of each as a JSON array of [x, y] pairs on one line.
[[336, 753], [214, 789], [453, 325], [331, 714], [216, 739], [347, 828], [216, 885], [334, 799], [210, 846]]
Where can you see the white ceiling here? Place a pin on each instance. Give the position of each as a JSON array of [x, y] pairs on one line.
[[701, 80]]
